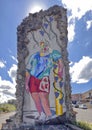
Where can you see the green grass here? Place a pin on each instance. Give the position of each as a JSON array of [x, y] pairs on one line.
[[84, 125], [7, 107]]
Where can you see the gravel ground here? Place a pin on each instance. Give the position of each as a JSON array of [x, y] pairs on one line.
[[5, 116]]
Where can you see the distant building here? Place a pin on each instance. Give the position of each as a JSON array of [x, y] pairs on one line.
[[87, 95], [82, 97], [76, 98]]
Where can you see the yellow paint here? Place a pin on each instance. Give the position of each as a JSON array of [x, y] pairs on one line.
[[41, 54], [55, 72], [59, 107]]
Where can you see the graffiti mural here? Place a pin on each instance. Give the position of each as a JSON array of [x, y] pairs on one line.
[[43, 89], [45, 72]]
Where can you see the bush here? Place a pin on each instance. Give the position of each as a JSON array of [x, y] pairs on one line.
[[7, 107], [84, 125]]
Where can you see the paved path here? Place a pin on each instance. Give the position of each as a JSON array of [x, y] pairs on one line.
[[84, 115], [5, 116]]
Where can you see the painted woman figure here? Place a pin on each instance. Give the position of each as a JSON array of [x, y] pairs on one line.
[[37, 78]]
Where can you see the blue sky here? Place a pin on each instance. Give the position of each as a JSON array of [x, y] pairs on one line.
[[79, 13]]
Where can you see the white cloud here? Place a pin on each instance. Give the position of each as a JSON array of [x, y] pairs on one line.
[[14, 58], [81, 72], [7, 85], [12, 73], [9, 50], [87, 43], [2, 64], [71, 32], [71, 63], [5, 82], [8, 88], [78, 8], [89, 24]]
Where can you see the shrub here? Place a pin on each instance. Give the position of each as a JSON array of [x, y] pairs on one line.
[[84, 125], [7, 107]]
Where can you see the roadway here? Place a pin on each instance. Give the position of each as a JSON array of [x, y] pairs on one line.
[[84, 115]]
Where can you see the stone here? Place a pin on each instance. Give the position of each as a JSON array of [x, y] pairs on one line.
[[33, 22]]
